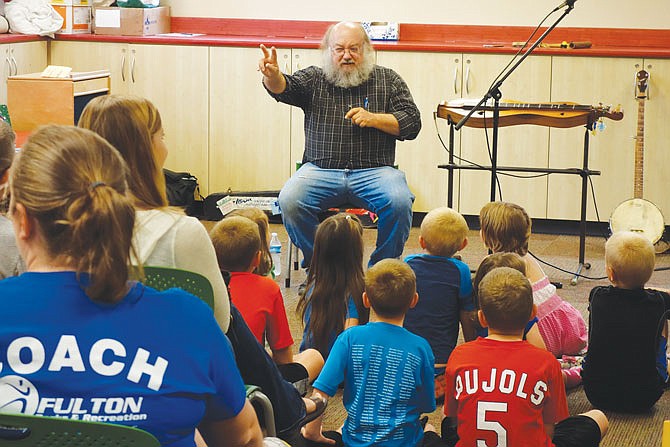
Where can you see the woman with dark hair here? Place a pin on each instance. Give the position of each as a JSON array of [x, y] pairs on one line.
[[77, 339]]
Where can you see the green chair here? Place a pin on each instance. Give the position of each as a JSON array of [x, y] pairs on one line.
[[163, 278], [17, 430]]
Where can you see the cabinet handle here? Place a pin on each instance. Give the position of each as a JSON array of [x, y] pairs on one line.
[[467, 81], [9, 66], [12, 61], [132, 65], [123, 65], [456, 80]]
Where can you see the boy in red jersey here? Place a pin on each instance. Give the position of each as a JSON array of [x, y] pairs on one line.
[[503, 391]]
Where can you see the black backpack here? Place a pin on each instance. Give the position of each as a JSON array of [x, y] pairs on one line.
[[181, 189]]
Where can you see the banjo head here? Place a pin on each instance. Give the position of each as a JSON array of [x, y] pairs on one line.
[[639, 216]]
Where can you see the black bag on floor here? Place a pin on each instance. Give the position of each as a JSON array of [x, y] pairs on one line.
[[181, 189], [212, 212]]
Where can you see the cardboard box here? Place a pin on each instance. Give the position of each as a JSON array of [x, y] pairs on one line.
[[76, 19], [132, 21], [71, 2]]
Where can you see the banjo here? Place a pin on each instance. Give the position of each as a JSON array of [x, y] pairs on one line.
[[637, 214]]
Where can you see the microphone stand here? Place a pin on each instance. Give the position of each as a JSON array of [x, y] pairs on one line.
[[495, 93]]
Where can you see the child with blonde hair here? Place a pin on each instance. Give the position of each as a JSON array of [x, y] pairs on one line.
[[626, 317], [265, 266], [444, 286], [506, 227]]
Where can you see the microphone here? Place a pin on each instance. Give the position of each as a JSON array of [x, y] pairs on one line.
[[569, 3]]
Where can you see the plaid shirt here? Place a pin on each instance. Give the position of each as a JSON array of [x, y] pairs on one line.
[[332, 142]]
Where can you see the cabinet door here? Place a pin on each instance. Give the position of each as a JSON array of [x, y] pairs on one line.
[[592, 80], [176, 79], [29, 57], [249, 132], [300, 58], [431, 78], [20, 58], [518, 145], [90, 56], [657, 135], [6, 70]]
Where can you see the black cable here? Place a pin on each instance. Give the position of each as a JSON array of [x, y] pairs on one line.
[[566, 271], [446, 148], [595, 205]]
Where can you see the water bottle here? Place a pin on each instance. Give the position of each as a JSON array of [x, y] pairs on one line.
[[275, 251]]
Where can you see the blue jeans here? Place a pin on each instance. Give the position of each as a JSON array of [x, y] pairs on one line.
[[383, 191]]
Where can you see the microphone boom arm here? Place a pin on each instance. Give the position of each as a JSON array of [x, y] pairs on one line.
[[494, 91]]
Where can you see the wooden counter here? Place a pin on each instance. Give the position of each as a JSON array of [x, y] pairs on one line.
[[607, 42]]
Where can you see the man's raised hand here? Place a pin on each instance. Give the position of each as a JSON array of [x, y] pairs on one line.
[[268, 64]]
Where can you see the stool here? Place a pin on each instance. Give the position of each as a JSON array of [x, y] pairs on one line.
[[369, 222], [344, 207]]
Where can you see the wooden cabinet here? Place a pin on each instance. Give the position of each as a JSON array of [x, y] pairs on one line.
[[174, 77], [589, 80], [222, 126], [249, 132], [656, 135], [520, 145], [35, 100], [434, 77], [254, 140], [20, 58], [431, 77], [300, 58]]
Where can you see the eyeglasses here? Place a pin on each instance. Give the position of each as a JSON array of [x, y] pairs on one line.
[[355, 50]]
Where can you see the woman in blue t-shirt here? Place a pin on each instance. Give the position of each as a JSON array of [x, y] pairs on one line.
[[77, 339]]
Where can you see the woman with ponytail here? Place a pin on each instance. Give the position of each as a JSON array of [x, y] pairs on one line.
[[77, 339]]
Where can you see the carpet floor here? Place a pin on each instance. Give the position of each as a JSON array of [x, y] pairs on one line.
[[561, 253]]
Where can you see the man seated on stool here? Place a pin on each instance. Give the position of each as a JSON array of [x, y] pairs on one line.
[[354, 113]]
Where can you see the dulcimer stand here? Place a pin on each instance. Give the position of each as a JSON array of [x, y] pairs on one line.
[[495, 94], [584, 172]]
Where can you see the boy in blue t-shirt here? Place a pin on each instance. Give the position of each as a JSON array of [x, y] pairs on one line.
[[387, 370], [445, 288]]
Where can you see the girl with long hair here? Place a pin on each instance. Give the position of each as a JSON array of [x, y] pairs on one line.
[[335, 283]]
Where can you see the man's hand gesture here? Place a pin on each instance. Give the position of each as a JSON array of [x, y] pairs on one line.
[[268, 66]]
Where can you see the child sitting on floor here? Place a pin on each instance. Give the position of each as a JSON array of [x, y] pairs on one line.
[[387, 370], [237, 243], [627, 318], [265, 266], [512, 260], [444, 286], [335, 283], [571, 375], [506, 227], [501, 390]]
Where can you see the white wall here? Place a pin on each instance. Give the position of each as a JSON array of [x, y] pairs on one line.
[[650, 14]]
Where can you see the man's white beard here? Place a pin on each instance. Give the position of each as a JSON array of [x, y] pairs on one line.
[[347, 78]]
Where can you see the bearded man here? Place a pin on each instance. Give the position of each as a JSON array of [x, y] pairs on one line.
[[354, 113]]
